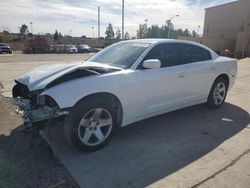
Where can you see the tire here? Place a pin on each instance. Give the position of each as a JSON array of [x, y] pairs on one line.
[[85, 126], [217, 93]]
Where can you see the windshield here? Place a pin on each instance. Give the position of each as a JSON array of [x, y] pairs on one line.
[[122, 54]]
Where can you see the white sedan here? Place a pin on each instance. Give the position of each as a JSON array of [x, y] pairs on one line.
[[124, 83]]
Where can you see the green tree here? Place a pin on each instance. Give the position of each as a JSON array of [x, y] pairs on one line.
[[56, 36], [60, 37], [118, 34], [186, 33], [142, 31], [109, 33], [23, 29], [154, 32], [126, 36], [177, 33], [194, 34], [6, 37]]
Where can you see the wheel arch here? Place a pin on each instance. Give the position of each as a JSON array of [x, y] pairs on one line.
[[111, 98], [224, 76]]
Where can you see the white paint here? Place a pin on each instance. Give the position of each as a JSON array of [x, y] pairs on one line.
[[142, 93]]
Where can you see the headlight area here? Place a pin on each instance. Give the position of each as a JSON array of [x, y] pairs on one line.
[[43, 100], [42, 108]]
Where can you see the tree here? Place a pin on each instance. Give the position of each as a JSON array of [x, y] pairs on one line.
[[23, 29], [109, 33], [169, 24], [56, 35], [142, 31], [126, 36], [118, 34], [154, 32], [186, 33], [5, 36], [194, 34], [60, 37]]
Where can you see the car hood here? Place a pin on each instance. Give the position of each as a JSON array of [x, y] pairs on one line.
[[38, 78]]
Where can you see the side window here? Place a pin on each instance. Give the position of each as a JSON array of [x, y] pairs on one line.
[[191, 53], [168, 54]]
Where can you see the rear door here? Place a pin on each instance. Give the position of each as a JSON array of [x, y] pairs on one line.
[[163, 88], [200, 71]]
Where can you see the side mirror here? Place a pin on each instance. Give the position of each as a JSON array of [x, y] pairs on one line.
[[151, 64]]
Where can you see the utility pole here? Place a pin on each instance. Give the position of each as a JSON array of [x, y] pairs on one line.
[[122, 19], [169, 29], [198, 30], [31, 28], [98, 26], [93, 32]]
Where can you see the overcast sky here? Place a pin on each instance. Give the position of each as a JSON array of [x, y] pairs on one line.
[[80, 15]]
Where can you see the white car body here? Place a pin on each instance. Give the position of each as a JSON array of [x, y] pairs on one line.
[[142, 93]]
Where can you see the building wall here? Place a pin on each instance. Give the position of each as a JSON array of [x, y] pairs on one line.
[[226, 21], [217, 45]]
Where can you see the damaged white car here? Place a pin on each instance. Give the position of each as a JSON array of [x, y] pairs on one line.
[[126, 82]]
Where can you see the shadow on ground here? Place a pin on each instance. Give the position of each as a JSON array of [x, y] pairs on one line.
[[150, 150], [25, 159]]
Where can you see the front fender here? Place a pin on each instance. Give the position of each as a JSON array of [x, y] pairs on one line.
[[122, 85]]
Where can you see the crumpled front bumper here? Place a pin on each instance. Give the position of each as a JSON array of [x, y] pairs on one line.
[[33, 114]]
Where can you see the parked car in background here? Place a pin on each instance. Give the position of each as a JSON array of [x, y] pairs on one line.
[[83, 48], [71, 49], [4, 48], [126, 82]]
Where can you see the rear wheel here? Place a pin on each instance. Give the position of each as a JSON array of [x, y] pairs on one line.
[[90, 125], [218, 93]]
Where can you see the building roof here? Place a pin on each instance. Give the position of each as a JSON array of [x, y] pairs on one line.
[[222, 5]]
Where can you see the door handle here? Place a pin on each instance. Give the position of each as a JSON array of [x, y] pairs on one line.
[[181, 74]]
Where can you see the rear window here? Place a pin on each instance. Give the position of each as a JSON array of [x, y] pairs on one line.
[[192, 53]]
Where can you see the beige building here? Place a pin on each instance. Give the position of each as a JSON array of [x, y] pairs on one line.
[[229, 25]]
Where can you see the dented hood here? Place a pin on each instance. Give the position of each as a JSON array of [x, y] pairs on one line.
[[40, 77]]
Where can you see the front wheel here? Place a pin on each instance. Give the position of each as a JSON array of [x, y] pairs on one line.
[[217, 93], [90, 125]]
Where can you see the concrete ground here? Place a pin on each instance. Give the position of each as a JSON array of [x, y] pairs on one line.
[[192, 147]]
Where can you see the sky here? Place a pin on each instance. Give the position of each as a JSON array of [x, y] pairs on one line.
[[76, 17]]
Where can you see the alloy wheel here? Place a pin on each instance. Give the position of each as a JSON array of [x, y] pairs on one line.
[[219, 93], [95, 126]]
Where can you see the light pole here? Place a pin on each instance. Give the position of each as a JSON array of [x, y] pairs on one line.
[[31, 28], [170, 23], [93, 32], [122, 19], [198, 30], [98, 26]]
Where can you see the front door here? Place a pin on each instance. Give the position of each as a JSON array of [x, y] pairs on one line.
[[163, 88]]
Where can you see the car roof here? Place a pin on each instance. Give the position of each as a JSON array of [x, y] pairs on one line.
[[159, 40]]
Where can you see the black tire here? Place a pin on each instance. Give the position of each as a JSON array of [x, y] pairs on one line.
[[211, 101], [72, 121]]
